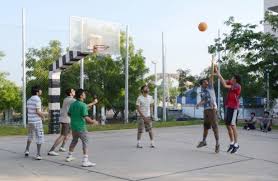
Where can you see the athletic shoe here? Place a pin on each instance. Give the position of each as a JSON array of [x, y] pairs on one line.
[[88, 164], [53, 153], [217, 148], [38, 157], [139, 146], [152, 146], [26, 153], [235, 149], [69, 158], [62, 149], [230, 148], [202, 144]]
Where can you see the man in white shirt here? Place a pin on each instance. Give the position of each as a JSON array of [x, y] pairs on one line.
[[144, 105], [35, 117], [64, 119]]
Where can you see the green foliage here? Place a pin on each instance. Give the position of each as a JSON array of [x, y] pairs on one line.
[[1, 55], [105, 77], [186, 80], [38, 62], [250, 53], [10, 97]]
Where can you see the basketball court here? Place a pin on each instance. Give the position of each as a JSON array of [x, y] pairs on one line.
[[175, 158]]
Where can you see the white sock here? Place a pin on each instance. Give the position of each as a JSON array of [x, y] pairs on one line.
[[85, 158], [232, 143], [236, 144], [70, 154], [152, 142], [138, 142]]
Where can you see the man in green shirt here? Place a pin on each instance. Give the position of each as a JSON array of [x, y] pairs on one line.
[[78, 113]]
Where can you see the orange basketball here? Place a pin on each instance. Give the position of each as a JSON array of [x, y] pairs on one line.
[[203, 26]]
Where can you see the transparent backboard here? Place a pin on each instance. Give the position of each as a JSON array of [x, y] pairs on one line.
[[90, 35]]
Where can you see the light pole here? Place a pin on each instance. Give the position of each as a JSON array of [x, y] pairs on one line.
[[267, 89], [164, 79], [218, 83], [23, 69], [155, 91], [126, 76]]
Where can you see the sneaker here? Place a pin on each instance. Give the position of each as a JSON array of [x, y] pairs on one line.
[[235, 149], [202, 144], [26, 153], [139, 146], [53, 153], [38, 157], [152, 146], [69, 158], [62, 149], [217, 148], [88, 164], [230, 148]]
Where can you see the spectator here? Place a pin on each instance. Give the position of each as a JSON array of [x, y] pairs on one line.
[[266, 122], [251, 123]]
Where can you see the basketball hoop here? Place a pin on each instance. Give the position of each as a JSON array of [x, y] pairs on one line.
[[98, 48]]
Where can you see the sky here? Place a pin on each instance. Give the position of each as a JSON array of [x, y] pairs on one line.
[[186, 47]]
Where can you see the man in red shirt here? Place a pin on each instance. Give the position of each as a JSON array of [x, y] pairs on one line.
[[232, 108]]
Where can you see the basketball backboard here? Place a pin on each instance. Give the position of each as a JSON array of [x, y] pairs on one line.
[[90, 35]]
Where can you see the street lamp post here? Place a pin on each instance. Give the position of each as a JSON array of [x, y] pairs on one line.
[[155, 91]]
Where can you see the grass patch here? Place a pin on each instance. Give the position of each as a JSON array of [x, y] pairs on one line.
[[158, 124], [18, 130]]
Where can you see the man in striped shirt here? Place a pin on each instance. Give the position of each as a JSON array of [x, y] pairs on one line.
[[35, 117]]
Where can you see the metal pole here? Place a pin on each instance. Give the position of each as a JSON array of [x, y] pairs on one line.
[[23, 69], [267, 84], [82, 73], [155, 92], [126, 76], [218, 82], [164, 84], [82, 60]]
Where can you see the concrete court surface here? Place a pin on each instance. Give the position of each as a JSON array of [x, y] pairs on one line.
[[175, 158]]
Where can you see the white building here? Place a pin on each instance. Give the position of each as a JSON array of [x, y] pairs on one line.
[[270, 5]]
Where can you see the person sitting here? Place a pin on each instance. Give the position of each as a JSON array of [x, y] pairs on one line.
[[251, 123], [266, 122]]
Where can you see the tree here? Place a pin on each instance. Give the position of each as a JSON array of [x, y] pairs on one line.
[[105, 77], [1, 55], [186, 80], [250, 53], [38, 62], [9, 93]]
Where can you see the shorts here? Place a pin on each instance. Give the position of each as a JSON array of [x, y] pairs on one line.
[[210, 118], [65, 129], [142, 124], [231, 117], [83, 136], [37, 129]]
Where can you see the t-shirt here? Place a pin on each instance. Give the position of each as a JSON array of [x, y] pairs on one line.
[[64, 118], [144, 104], [78, 110], [233, 96], [208, 95], [34, 103]]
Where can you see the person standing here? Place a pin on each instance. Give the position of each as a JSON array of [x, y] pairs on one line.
[[64, 119], [144, 106], [35, 118], [208, 100], [232, 108], [78, 113]]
